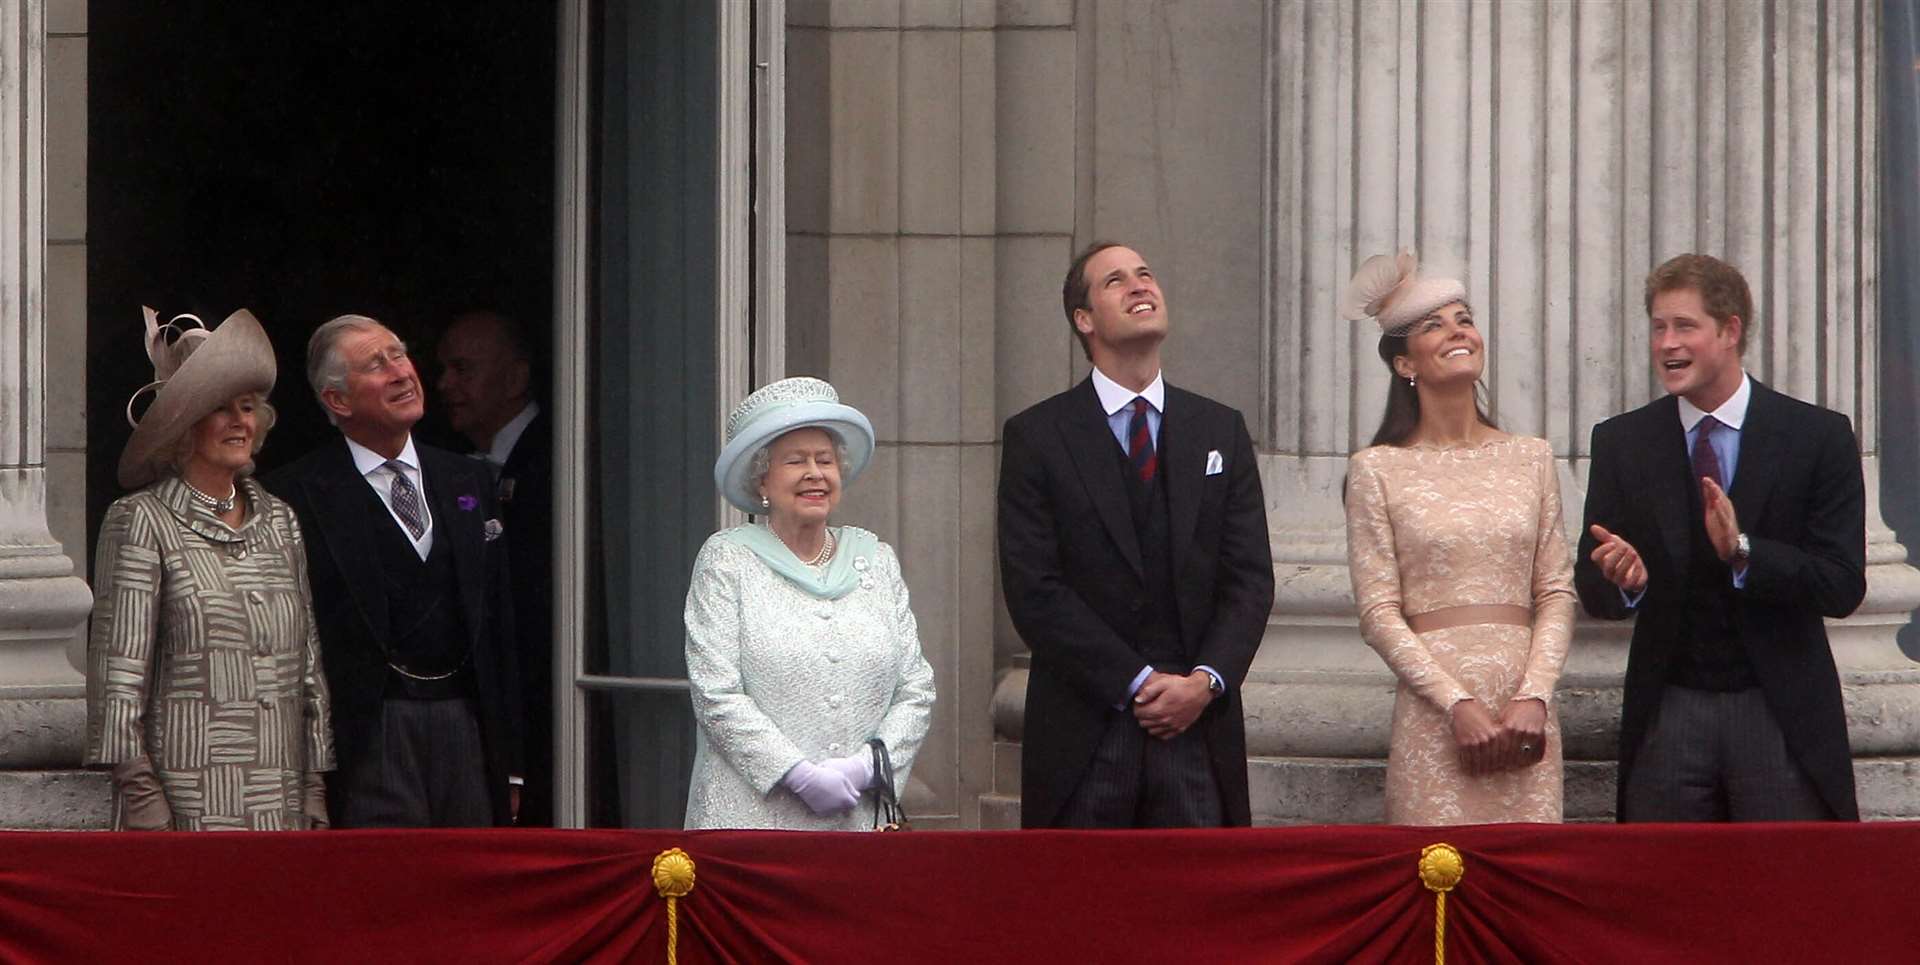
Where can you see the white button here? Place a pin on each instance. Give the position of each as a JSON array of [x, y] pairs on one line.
[[826, 614], [253, 596], [265, 702], [833, 701], [834, 748], [833, 656]]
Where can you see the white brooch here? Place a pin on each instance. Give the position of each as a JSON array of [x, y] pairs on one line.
[[860, 566], [493, 529]]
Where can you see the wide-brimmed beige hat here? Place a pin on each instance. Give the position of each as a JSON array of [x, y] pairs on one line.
[[195, 371], [776, 409], [1392, 290]]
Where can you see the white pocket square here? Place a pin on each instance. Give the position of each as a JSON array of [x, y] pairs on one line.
[[1215, 464]]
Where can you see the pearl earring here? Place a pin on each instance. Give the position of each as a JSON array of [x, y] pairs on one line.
[[1409, 381], [765, 503]]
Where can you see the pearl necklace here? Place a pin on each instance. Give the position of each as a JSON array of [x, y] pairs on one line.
[[827, 546], [220, 507]]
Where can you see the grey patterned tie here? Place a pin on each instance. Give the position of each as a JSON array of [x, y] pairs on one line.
[[406, 500]]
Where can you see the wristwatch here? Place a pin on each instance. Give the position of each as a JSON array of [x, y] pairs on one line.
[[1742, 548]]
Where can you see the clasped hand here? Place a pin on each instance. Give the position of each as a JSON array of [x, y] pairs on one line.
[[1167, 704], [833, 785], [1517, 739]]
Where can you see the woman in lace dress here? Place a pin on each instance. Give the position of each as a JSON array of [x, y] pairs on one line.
[[801, 646], [1460, 568]]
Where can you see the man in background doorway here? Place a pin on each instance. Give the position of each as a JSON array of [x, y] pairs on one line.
[[486, 387]]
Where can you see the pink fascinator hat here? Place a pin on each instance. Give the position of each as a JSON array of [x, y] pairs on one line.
[[1391, 289]]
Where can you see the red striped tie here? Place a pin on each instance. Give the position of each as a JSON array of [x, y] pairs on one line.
[[1140, 443]]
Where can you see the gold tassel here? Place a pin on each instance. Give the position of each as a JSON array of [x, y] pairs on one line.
[[1441, 867], [673, 878]]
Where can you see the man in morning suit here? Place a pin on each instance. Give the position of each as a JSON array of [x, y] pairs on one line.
[[410, 592], [1728, 519], [486, 386], [1135, 564]]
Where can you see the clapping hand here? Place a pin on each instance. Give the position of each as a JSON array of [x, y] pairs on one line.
[[1619, 562], [1723, 527]]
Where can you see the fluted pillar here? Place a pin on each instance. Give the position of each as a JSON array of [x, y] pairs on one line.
[[42, 601], [1553, 153]]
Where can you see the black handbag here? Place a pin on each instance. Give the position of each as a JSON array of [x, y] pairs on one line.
[[888, 815]]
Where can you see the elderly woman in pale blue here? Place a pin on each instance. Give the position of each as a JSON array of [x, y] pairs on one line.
[[801, 646]]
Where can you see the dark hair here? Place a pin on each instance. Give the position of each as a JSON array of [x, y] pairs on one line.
[[1073, 292], [1723, 290], [1403, 400]]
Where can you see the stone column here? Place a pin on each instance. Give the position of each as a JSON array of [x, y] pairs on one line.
[[42, 601], [1554, 153], [891, 293]]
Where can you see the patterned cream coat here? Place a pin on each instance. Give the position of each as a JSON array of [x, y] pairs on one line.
[[779, 675], [203, 659]]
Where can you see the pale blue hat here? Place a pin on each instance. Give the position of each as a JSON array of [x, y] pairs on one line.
[[774, 410]]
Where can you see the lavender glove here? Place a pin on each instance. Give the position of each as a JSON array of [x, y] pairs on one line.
[[858, 768], [825, 790]]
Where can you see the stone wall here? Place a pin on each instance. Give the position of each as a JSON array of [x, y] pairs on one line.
[[947, 158]]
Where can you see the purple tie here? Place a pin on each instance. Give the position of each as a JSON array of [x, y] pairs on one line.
[[1140, 443], [1706, 463]]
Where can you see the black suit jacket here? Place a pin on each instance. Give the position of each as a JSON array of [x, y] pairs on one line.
[[1799, 496], [1071, 571], [525, 492], [329, 495]]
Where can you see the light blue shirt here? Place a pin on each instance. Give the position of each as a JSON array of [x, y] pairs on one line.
[[1725, 441], [1117, 401]]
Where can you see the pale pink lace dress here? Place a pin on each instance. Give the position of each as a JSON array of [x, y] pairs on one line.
[[1434, 528]]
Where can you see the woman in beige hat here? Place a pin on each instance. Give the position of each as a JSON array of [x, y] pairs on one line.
[[801, 647], [1460, 567], [204, 689]]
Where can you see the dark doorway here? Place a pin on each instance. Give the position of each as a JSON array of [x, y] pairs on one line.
[[307, 159]]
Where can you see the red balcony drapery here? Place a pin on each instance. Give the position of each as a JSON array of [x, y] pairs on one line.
[[1651, 893]]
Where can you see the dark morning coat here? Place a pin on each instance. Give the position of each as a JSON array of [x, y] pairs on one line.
[[329, 495], [1071, 572], [525, 492], [1799, 496]]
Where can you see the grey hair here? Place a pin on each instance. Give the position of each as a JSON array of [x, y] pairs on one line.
[[762, 462], [325, 368]]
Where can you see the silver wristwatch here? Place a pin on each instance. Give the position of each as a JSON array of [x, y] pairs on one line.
[[1742, 548]]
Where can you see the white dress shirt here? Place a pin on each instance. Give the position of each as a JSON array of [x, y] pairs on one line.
[[1116, 400], [373, 468], [509, 435]]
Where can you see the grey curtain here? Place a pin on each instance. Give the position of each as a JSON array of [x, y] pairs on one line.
[[653, 365], [1900, 279]]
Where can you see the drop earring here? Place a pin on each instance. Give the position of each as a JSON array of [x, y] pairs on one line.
[[765, 503]]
